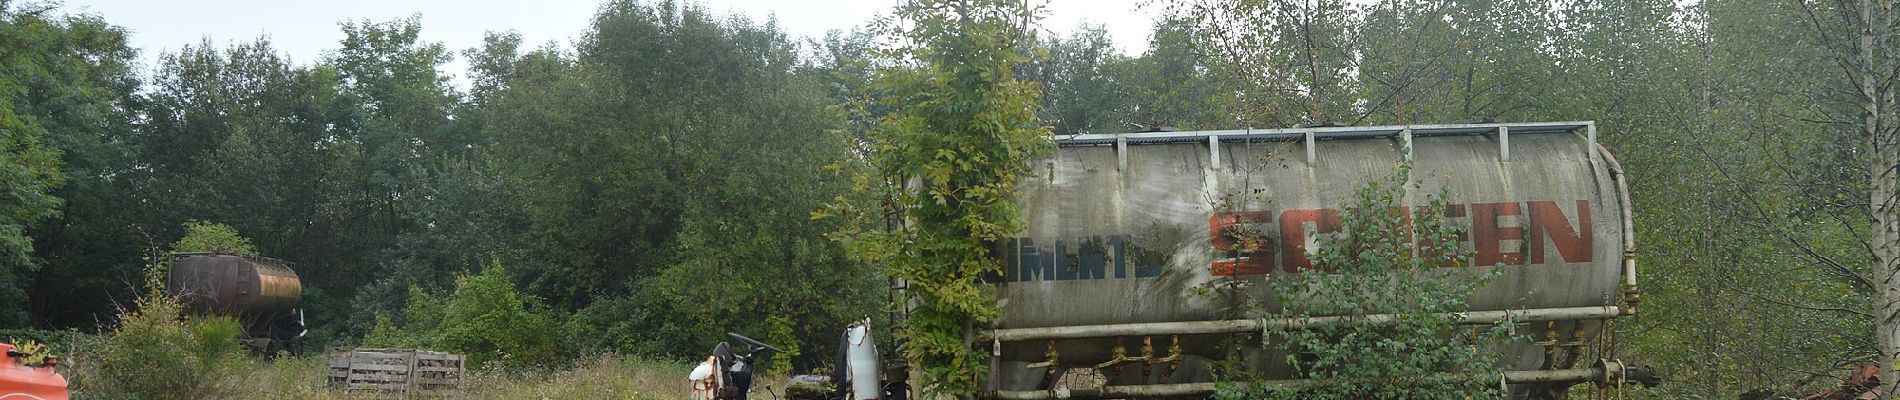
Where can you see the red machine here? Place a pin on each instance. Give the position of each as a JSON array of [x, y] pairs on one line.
[[19, 381], [1863, 384]]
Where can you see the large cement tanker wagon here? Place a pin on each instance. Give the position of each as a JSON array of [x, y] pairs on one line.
[[262, 293], [1121, 227]]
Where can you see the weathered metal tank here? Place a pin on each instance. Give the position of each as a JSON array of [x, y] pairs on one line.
[[1122, 227], [234, 285], [261, 293]]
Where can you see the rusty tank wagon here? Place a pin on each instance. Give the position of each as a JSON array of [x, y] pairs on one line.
[[262, 293], [1120, 227]]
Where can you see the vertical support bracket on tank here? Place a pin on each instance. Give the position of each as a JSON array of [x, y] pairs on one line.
[[1504, 143], [1147, 356], [1591, 132], [1310, 154], [1632, 296], [1174, 357], [1405, 138], [1121, 154], [996, 356], [1213, 151]]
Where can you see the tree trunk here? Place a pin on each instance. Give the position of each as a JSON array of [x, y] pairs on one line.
[[1877, 102], [1886, 240]]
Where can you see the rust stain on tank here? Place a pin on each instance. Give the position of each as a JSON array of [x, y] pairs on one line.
[[245, 287]]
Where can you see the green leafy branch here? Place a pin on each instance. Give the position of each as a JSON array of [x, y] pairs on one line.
[[945, 161], [1386, 259]]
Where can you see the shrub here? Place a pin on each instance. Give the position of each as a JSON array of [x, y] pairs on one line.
[[1387, 258], [201, 236], [159, 352], [485, 318], [155, 354], [59, 343]]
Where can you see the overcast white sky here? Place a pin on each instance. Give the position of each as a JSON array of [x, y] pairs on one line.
[[304, 30]]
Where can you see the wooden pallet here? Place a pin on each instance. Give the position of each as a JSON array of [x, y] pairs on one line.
[[397, 373]]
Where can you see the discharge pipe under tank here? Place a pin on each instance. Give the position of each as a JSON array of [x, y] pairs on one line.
[[1632, 296], [1610, 372]]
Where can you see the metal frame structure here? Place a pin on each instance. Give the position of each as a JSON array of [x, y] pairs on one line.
[[1260, 324], [1310, 136], [1328, 133]]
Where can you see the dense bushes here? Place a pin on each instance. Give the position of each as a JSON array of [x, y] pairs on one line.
[[157, 350], [667, 147], [60, 342], [485, 318], [156, 354], [212, 237]]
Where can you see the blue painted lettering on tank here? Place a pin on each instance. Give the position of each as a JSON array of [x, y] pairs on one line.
[[1148, 263], [998, 276], [1094, 259], [1030, 262], [1007, 256], [1065, 261], [1012, 259], [1046, 257]]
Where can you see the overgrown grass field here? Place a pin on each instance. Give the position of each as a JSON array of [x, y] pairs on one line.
[[603, 377]]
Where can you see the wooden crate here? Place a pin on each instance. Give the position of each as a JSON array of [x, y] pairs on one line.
[[397, 373]]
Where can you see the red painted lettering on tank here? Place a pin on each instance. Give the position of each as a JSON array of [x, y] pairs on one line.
[[1548, 220], [1487, 237], [1297, 228], [1452, 213], [1405, 227], [1241, 246]]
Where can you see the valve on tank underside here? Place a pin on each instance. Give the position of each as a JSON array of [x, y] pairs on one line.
[[1147, 358]]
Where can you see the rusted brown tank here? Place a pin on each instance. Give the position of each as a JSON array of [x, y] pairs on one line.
[[261, 293], [1123, 227], [234, 285]]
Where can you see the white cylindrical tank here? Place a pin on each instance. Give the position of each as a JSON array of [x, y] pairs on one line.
[[1125, 229], [861, 361], [705, 379]]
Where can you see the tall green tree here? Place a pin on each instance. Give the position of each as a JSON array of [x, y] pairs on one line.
[[439, 207], [1179, 83], [664, 174], [1293, 60], [1080, 91], [241, 135], [1437, 62], [1860, 112], [963, 129], [63, 79], [1737, 249]]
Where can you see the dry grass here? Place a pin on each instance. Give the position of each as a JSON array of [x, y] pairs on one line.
[[605, 377], [601, 378]]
